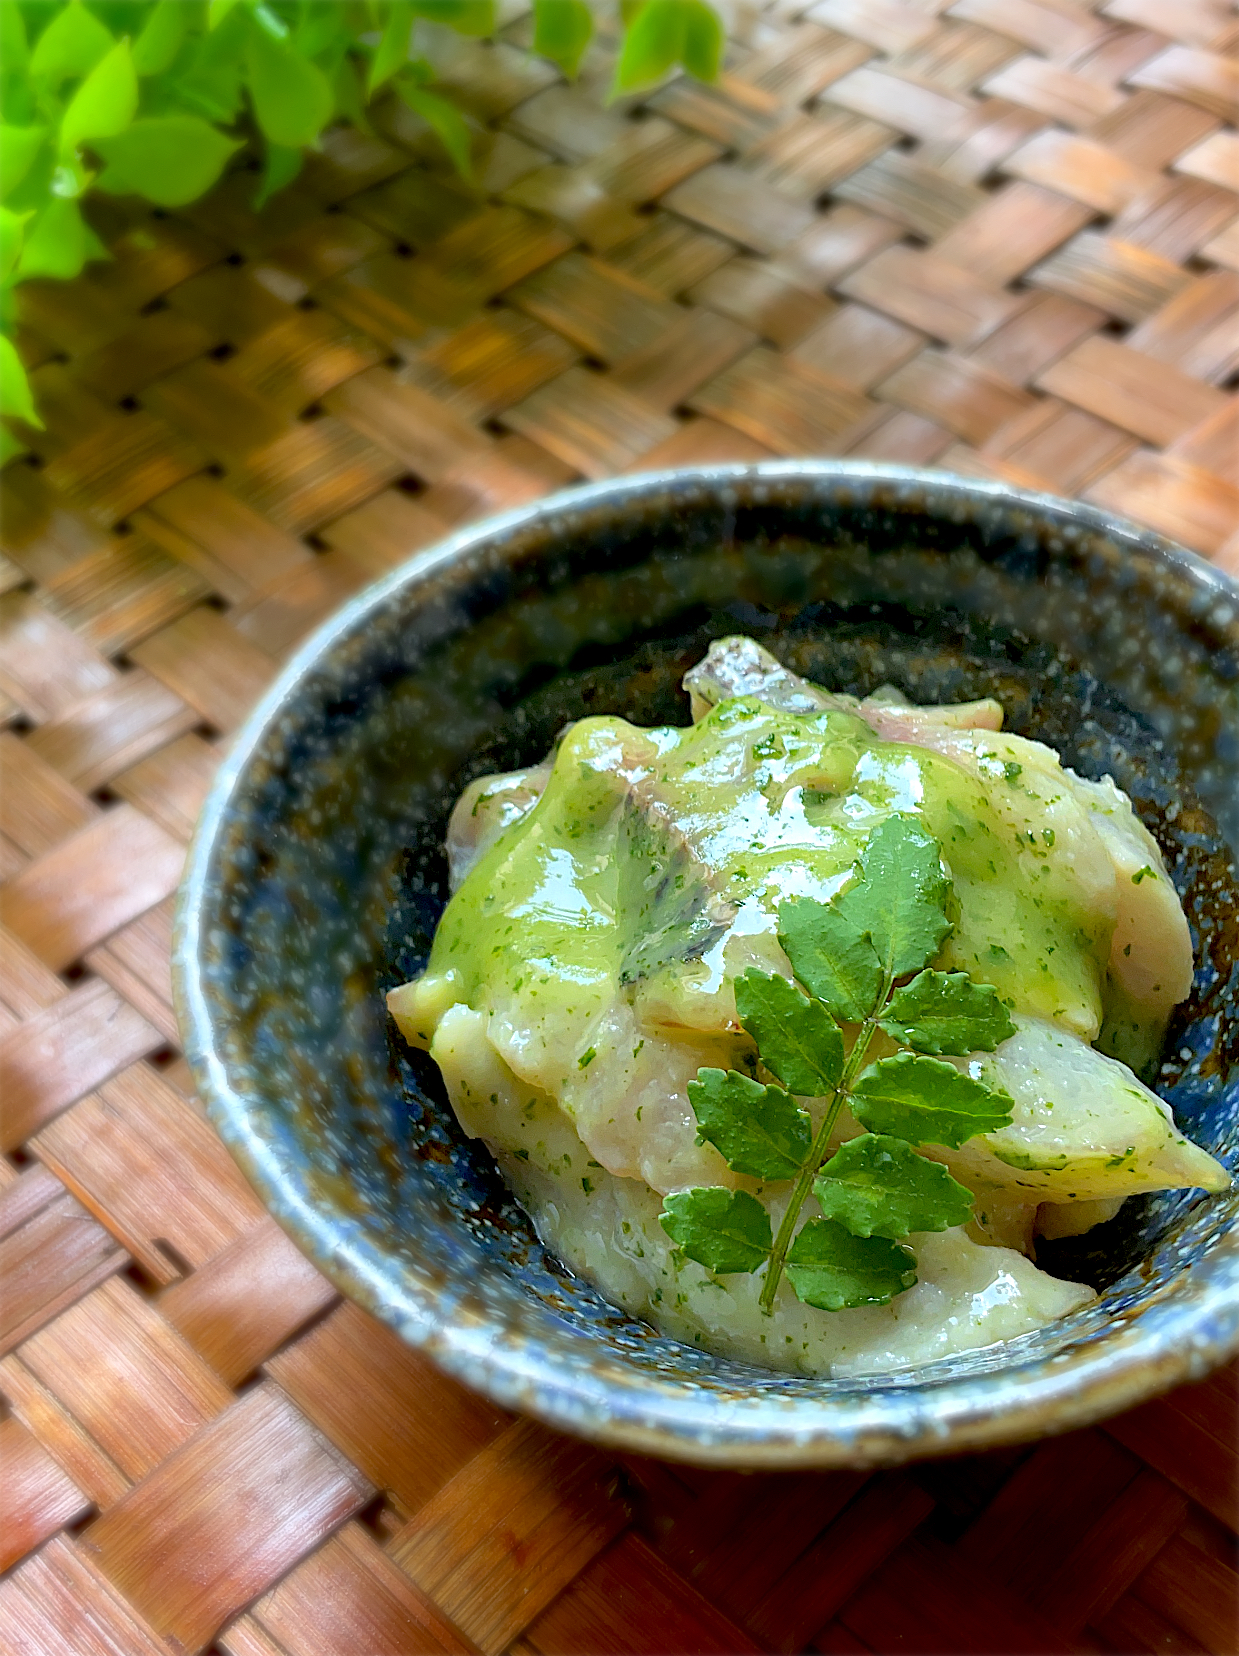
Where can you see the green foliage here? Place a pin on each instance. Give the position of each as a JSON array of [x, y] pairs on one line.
[[878, 1186], [944, 1012], [836, 1271], [848, 953], [154, 97], [726, 1230], [927, 1101], [798, 1039], [756, 1129]]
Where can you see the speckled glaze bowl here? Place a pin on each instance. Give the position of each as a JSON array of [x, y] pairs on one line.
[[317, 877]]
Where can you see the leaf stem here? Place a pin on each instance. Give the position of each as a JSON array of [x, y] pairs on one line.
[[819, 1147]]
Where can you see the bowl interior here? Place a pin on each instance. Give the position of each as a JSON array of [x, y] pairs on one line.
[[319, 877]]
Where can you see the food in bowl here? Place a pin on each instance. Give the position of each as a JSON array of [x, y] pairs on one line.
[[794, 1027]]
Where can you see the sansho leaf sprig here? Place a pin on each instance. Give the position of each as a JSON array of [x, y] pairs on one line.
[[851, 956]]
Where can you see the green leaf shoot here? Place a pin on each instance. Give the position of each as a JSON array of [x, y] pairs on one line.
[[169, 159], [291, 96], [70, 46], [946, 1012], [877, 1185], [19, 145], [160, 37], [836, 1271], [15, 398], [392, 52], [105, 102], [445, 121], [758, 1130], [900, 897], [832, 957], [58, 242], [562, 31], [927, 1101], [667, 34], [724, 1230], [799, 1041]]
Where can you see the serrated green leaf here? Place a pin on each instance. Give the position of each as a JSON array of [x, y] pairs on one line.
[[160, 38], [562, 31], [291, 97], [901, 895], [797, 1038], [724, 1230], [836, 1271], [392, 51], [831, 957], [467, 17], [756, 1129], [946, 1012], [877, 1185], [15, 398], [18, 147], [169, 159], [927, 1101], [664, 35], [105, 102], [58, 242], [446, 121], [70, 45]]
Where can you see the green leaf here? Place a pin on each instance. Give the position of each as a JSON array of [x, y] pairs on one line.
[[12, 234], [15, 398], [665, 34], [562, 31], [292, 98], [797, 1038], [169, 159], [71, 45], [105, 102], [901, 895], [217, 11], [18, 147], [392, 52], [161, 37], [724, 1230], [946, 1012], [927, 1101], [467, 17], [59, 243], [281, 168], [832, 958], [446, 121], [834, 1270], [758, 1130], [879, 1186], [14, 52]]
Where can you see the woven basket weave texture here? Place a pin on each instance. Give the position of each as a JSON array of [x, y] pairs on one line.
[[997, 236]]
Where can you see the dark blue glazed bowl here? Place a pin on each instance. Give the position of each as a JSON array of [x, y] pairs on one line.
[[317, 877]]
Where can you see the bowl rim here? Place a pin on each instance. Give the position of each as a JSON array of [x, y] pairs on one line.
[[884, 1426]]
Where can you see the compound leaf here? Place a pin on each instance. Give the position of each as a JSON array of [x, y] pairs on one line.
[[947, 1012], [878, 1186], [927, 1101], [797, 1038], [756, 1129], [836, 1271], [724, 1230], [831, 956]]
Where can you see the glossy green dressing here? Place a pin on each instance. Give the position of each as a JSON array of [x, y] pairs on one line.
[[650, 849]]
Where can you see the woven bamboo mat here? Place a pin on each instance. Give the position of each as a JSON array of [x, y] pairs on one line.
[[999, 236]]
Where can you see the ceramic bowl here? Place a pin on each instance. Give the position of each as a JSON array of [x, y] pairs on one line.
[[317, 877]]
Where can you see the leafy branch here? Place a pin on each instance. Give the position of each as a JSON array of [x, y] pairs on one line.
[[853, 958], [154, 97]]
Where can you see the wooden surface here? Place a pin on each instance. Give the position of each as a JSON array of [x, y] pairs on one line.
[[1000, 236]]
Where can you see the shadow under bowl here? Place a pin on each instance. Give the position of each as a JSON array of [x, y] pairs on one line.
[[317, 878]]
